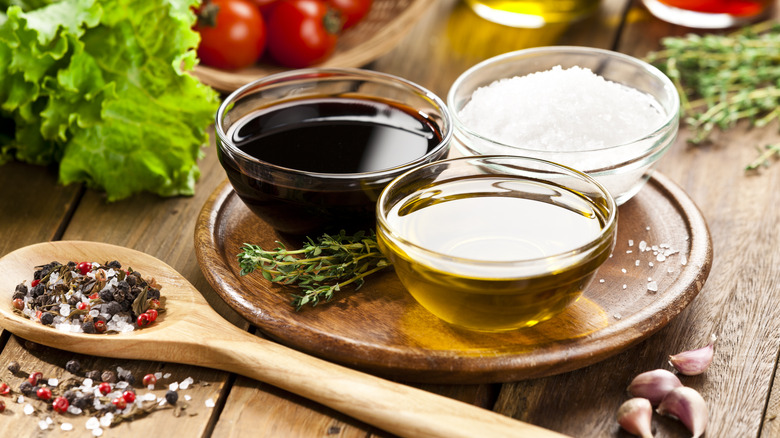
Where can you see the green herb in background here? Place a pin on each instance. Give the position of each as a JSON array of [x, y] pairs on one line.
[[101, 89], [319, 268], [723, 79]]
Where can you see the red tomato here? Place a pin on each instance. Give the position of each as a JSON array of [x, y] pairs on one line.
[[302, 32], [352, 11], [265, 6], [232, 34]]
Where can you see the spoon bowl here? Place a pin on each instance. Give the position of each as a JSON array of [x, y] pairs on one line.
[[191, 332]]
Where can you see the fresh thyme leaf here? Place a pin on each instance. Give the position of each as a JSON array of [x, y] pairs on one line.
[[723, 79], [320, 268]]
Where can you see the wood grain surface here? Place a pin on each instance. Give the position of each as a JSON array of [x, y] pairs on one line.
[[738, 301], [381, 329]]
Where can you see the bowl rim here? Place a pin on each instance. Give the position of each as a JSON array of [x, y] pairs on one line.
[[610, 225], [672, 116], [317, 73]]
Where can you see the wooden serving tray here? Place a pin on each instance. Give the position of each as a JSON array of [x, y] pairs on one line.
[[386, 23], [382, 330]]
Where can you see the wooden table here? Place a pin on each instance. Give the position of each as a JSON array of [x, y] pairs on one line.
[[738, 302]]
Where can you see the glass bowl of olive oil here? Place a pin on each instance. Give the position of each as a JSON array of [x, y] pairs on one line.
[[496, 243], [309, 151]]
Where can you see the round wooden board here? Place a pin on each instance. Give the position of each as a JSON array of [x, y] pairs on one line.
[[382, 330], [384, 26]]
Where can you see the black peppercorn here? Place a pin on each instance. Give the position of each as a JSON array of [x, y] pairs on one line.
[[106, 295], [26, 387], [73, 366], [108, 376], [113, 308], [38, 290], [153, 293], [127, 376], [88, 327], [14, 367], [47, 318], [94, 375], [114, 264], [171, 397]]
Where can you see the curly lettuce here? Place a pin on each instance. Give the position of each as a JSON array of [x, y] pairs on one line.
[[100, 87]]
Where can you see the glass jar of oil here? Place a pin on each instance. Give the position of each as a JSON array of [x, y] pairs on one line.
[[533, 13], [495, 243]]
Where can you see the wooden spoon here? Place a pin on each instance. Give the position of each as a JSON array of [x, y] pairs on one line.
[[191, 332]]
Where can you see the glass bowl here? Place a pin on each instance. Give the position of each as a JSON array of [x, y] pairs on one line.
[[591, 139], [309, 151], [495, 243]]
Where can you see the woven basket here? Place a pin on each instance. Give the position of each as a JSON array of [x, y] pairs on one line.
[[383, 27]]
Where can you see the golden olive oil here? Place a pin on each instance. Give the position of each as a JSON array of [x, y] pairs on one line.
[[501, 252], [533, 13]]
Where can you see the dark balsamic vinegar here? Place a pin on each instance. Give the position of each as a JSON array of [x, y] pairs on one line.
[[337, 136]]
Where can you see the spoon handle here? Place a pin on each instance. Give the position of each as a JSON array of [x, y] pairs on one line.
[[396, 408]]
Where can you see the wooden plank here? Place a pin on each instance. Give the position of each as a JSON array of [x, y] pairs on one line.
[[738, 302], [33, 206]]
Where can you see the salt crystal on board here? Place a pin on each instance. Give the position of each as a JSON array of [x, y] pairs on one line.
[[652, 286], [66, 426]]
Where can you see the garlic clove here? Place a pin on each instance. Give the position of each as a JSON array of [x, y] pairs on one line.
[[635, 416], [688, 406], [694, 362], [654, 385]]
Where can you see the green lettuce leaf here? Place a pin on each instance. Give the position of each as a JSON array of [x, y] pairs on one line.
[[101, 88]]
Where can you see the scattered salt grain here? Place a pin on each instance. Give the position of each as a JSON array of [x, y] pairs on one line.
[[684, 260], [74, 410], [43, 425], [617, 316], [150, 397], [623, 270], [92, 423], [53, 382], [647, 228], [625, 286], [122, 385], [210, 403], [106, 419], [28, 409], [186, 383], [49, 420], [66, 426], [166, 375], [650, 264], [652, 286], [20, 400], [97, 432], [601, 281], [86, 383], [660, 257], [629, 251], [173, 386], [636, 263], [630, 242], [642, 245], [187, 397], [158, 375]]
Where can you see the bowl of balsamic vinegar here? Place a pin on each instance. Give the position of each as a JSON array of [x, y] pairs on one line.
[[309, 151]]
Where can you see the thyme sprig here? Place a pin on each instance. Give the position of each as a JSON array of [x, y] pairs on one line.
[[320, 268], [723, 79]]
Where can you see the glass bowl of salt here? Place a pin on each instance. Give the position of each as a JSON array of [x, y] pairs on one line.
[[601, 112]]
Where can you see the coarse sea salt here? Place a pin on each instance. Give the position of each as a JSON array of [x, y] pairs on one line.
[[561, 109]]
